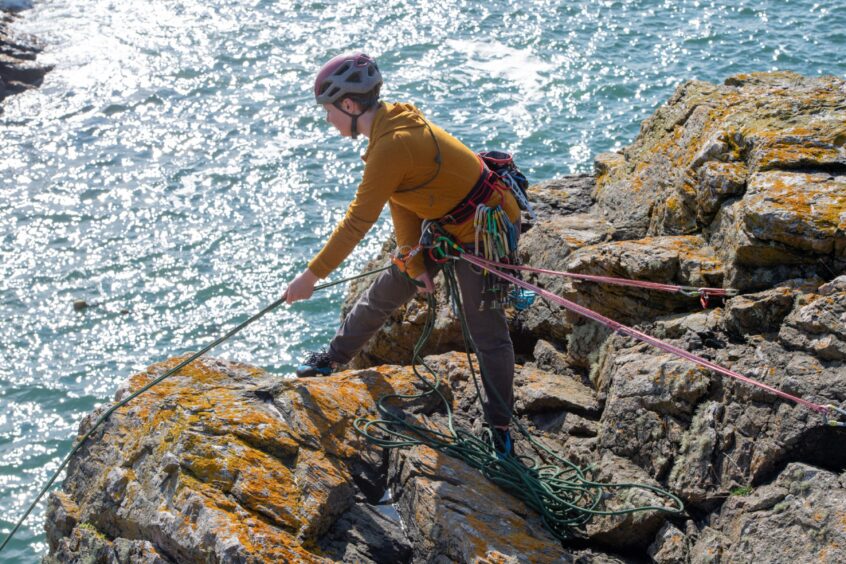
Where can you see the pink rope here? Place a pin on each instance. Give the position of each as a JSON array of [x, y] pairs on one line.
[[612, 280], [620, 328]]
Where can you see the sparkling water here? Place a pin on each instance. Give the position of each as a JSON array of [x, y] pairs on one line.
[[174, 173]]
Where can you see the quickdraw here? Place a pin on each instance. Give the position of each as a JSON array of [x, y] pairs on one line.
[[831, 415], [495, 236], [705, 293]]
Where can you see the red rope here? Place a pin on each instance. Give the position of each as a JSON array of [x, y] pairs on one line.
[[673, 289], [620, 328]]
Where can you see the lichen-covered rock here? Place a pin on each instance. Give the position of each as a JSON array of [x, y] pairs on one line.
[[86, 544], [453, 514], [738, 185], [781, 163], [223, 462], [798, 518], [804, 211], [669, 546]]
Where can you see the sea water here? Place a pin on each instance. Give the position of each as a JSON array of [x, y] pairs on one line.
[[174, 173]]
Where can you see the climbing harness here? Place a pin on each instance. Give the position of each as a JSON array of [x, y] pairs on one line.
[[158, 380], [502, 164]]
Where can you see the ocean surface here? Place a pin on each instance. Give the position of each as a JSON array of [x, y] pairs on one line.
[[174, 172]]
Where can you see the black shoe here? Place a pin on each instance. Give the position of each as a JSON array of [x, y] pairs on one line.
[[502, 443], [317, 364]]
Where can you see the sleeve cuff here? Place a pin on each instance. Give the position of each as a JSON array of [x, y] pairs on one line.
[[319, 270], [416, 266]]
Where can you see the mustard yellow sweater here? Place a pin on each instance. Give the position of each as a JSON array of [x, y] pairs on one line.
[[401, 155]]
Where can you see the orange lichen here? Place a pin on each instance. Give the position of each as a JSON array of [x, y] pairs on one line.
[[518, 538], [817, 202]]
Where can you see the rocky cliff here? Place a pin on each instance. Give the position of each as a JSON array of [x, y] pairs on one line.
[[18, 70], [740, 185]]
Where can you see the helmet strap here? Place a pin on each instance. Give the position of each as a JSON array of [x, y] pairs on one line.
[[354, 126]]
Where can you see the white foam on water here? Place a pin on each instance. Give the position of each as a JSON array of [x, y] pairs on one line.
[[521, 67]]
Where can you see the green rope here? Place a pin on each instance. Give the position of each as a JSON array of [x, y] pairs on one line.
[[560, 491], [167, 374]]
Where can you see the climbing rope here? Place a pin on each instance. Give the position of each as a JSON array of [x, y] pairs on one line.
[[158, 380], [561, 492], [690, 291], [829, 412]]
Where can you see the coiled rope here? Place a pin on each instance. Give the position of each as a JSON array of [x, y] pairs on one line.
[[561, 492]]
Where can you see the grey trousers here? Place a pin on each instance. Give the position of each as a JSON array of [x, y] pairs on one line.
[[488, 328]]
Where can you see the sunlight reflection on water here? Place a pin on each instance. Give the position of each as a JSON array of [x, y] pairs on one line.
[[173, 171]]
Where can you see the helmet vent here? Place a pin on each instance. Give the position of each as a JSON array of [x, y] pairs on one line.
[[354, 75]]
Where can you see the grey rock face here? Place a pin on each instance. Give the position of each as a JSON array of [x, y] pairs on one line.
[[18, 70], [669, 546], [451, 511], [757, 313], [818, 326], [539, 391], [797, 517], [367, 534]]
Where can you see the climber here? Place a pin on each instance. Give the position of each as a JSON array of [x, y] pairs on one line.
[[422, 173]]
